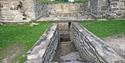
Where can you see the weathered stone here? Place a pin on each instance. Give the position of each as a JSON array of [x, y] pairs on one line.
[[106, 8], [1, 23], [25, 11], [44, 49], [92, 48]]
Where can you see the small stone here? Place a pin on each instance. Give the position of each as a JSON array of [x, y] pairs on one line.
[[30, 57], [1, 23], [33, 24], [81, 30]]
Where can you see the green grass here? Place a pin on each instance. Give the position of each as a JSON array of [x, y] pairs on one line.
[[81, 1], [22, 34], [105, 28]]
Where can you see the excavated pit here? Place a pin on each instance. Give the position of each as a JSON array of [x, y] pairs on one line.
[[66, 51]]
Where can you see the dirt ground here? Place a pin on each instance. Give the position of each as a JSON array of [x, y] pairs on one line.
[[10, 54], [117, 43]]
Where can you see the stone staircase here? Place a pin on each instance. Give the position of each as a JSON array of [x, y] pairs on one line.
[[81, 47], [66, 51]]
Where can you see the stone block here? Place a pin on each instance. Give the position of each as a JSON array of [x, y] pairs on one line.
[[93, 48], [44, 50]]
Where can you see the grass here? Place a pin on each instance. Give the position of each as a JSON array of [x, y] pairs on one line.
[[105, 28], [22, 34], [81, 1]]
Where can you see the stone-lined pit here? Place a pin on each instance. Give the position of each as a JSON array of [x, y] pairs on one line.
[[66, 51], [72, 44]]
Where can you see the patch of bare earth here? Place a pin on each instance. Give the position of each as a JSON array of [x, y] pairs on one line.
[[117, 43], [10, 54]]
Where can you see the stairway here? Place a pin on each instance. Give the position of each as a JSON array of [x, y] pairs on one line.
[[66, 52]]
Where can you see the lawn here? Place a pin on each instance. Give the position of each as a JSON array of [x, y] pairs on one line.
[[105, 28], [22, 34]]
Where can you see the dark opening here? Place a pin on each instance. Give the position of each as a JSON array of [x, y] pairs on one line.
[[65, 45], [20, 5], [24, 18]]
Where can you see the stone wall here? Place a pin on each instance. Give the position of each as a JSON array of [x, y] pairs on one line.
[[41, 10], [98, 8], [64, 9], [16, 10], [92, 48], [28, 10], [117, 8], [107, 8], [44, 49]]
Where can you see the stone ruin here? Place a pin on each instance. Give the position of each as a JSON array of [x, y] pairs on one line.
[[16, 10], [77, 45], [107, 8], [29, 10], [117, 8]]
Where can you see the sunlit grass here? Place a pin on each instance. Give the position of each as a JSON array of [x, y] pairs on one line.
[[105, 28], [22, 34]]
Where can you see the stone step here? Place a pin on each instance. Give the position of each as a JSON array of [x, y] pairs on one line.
[[65, 47], [72, 57]]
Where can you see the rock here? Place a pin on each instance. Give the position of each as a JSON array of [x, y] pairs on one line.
[[34, 24], [1, 24], [91, 47], [71, 58], [43, 51]]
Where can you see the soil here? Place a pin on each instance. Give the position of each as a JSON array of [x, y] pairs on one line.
[[117, 43], [10, 54]]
